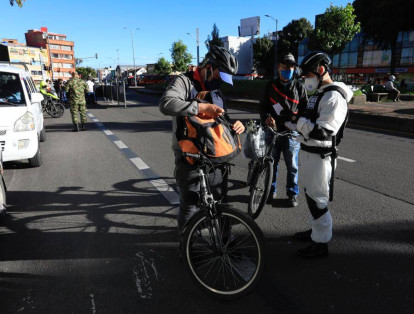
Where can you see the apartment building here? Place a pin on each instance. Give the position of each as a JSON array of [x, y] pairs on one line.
[[61, 52]]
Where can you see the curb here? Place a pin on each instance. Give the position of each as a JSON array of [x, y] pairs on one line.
[[356, 118]]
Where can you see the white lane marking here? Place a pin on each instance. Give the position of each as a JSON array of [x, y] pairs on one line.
[[139, 163], [91, 115], [107, 132], [142, 275], [161, 185], [95, 120], [93, 308], [346, 159], [120, 144]]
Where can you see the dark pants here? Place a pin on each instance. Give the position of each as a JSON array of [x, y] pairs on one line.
[[188, 183], [394, 94]]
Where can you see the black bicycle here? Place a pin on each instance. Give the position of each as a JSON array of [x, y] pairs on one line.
[[222, 248], [53, 108], [259, 177]]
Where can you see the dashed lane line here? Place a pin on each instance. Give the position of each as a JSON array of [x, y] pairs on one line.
[[161, 185]]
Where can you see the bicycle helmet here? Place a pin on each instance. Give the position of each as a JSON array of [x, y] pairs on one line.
[[43, 84], [223, 59], [313, 60], [392, 78]]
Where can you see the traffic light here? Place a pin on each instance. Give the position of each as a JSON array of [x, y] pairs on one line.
[[96, 55]]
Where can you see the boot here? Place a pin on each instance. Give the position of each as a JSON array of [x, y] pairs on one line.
[[83, 127], [75, 127]]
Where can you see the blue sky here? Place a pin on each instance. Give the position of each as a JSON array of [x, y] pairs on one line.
[[97, 26]]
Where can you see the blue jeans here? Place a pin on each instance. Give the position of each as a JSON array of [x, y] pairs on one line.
[[290, 149]]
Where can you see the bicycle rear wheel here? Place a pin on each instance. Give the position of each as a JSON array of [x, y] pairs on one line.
[[223, 255], [260, 188]]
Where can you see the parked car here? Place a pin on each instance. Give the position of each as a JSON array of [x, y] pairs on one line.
[[3, 189], [21, 116]]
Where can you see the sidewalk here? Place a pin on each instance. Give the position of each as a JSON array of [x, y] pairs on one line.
[[394, 116]]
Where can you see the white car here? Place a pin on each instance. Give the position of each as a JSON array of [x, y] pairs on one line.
[[21, 116]]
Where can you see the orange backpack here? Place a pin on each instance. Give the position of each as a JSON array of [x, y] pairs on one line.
[[214, 138]]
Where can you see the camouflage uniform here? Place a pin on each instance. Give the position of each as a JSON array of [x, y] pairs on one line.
[[77, 89]]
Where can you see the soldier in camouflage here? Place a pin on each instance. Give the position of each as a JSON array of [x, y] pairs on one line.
[[76, 88]]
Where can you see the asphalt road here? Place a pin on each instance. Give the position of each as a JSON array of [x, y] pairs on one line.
[[93, 230]]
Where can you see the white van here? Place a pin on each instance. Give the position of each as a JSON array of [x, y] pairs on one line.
[[21, 116]]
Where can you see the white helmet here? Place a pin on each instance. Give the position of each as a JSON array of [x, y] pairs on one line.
[[392, 78]]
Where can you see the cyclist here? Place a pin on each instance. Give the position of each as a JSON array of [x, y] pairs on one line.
[[178, 101], [324, 117], [284, 99]]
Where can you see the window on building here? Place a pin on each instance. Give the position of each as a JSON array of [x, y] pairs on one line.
[[55, 55], [57, 47], [68, 48], [407, 56], [67, 65]]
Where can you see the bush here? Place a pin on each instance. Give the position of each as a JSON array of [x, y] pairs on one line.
[[358, 92]]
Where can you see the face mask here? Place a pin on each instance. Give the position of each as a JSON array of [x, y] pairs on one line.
[[311, 84], [287, 74]]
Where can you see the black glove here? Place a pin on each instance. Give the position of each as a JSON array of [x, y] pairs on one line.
[[319, 134]]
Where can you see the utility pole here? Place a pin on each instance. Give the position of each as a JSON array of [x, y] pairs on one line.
[[133, 57]]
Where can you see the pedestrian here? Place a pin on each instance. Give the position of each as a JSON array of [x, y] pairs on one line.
[[321, 128], [179, 100], [283, 101], [91, 92], [392, 90], [76, 88]]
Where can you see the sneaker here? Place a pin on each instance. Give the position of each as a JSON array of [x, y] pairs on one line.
[[314, 250], [293, 200], [303, 235], [274, 195]]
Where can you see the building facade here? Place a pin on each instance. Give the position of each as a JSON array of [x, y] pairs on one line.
[[61, 51], [362, 60], [36, 59], [242, 49]]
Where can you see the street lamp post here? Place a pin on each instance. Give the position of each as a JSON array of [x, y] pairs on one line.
[[117, 52], [276, 40], [198, 44], [133, 53]]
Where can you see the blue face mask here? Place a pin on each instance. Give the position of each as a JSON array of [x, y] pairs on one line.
[[287, 74]]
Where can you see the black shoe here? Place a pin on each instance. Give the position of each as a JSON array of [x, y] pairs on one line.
[[293, 200], [304, 235], [314, 250], [83, 127], [75, 128]]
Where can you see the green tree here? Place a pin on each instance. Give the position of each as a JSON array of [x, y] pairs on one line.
[[214, 39], [381, 20], [334, 29], [264, 55], [293, 34], [181, 58], [19, 2], [162, 67], [86, 72]]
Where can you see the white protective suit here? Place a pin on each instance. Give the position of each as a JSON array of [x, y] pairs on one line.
[[315, 171]]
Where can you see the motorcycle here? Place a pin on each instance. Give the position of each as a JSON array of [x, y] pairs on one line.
[[52, 106]]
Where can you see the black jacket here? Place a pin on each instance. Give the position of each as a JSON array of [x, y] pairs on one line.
[[291, 97]]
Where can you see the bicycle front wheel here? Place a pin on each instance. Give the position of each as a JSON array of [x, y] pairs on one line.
[[56, 110], [260, 188], [223, 255]]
